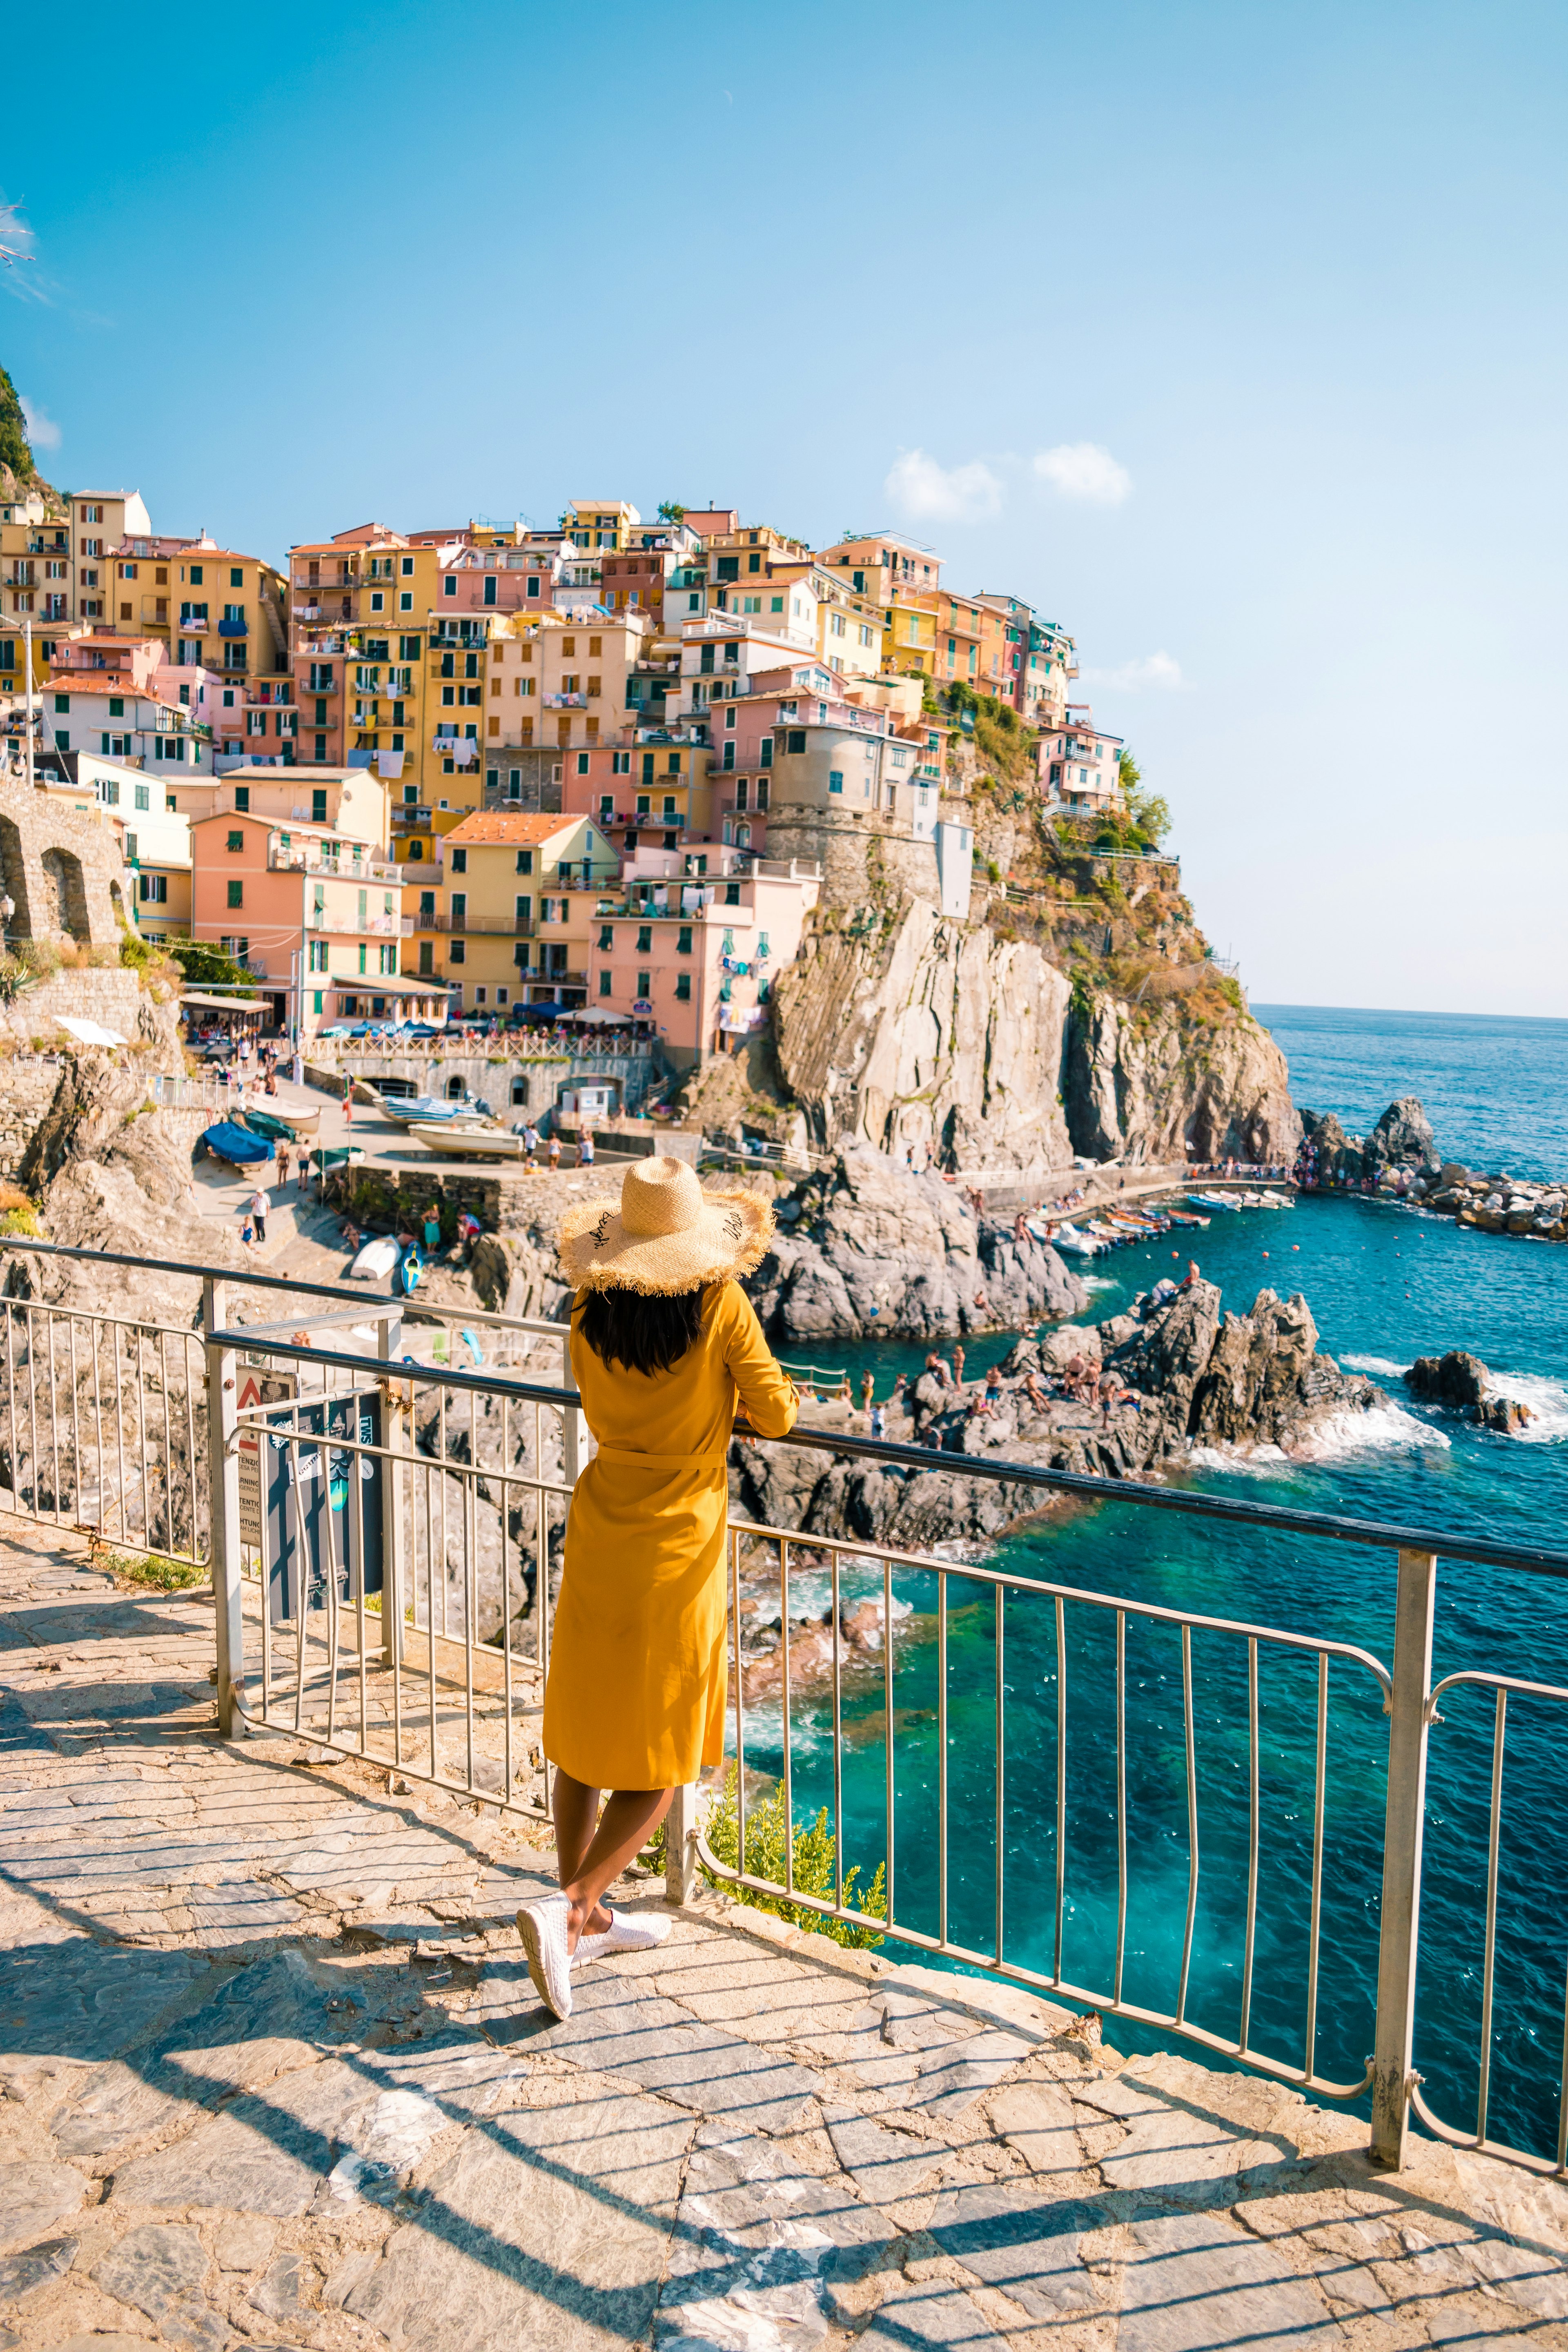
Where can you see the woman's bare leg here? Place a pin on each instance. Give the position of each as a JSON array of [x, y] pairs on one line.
[[628, 1820], [576, 1809]]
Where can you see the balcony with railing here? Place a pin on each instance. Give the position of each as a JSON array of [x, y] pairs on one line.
[[516, 927], [309, 857]]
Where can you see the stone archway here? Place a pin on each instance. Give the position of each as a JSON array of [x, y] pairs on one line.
[[14, 879], [65, 895]]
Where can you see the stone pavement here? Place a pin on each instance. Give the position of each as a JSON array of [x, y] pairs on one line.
[[273, 2075]]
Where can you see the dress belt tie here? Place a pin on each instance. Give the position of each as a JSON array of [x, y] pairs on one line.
[[716, 1458]]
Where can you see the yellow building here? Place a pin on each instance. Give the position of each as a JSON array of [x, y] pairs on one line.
[[505, 917], [361, 607], [603, 525]]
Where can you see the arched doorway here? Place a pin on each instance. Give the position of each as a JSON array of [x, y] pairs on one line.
[[65, 895], [14, 880]]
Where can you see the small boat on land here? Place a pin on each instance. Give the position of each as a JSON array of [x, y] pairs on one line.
[[466, 1141], [429, 1110], [377, 1260], [235, 1144], [284, 1127]]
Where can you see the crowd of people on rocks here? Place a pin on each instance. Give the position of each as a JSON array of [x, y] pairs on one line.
[[1083, 1381]]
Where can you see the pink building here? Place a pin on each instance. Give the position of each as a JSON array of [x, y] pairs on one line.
[[1079, 766], [316, 916], [695, 947]]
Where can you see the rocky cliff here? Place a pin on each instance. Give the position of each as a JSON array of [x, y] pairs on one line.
[[1123, 1397], [872, 1251], [1030, 1034]]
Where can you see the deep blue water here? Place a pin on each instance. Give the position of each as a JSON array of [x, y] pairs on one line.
[[1384, 1286]]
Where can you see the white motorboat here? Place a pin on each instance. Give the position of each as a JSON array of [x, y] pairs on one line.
[[468, 1141]]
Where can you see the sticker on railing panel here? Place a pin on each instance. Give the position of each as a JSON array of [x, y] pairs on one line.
[[323, 1524]]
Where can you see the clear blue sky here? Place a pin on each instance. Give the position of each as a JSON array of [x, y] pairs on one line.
[[1273, 295]]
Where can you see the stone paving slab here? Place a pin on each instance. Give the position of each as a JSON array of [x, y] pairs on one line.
[[271, 2074]]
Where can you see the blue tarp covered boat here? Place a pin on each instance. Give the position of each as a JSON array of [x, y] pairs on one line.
[[235, 1144]]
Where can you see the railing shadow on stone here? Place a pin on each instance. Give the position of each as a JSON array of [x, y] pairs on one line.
[[506, 1451]]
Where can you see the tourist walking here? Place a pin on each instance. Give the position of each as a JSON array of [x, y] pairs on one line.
[[282, 1166], [584, 1146], [258, 1204], [664, 1346], [531, 1145], [553, 1155]]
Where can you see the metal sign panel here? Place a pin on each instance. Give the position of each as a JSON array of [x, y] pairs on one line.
[[324, 1504]]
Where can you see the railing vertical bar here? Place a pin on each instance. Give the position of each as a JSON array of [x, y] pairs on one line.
[[1320, 1798], [1191, 1822], [11, 1371], [300, 1595], [76, 1425], [470, 1601], [55, 1427], [120, 1430], [891, 1791], [784, 1696], [999, 1603], [1483, 2095], [190, 1452], [1061, 1786], [1121, 1800], [1252, 1791], [1562, 2093], [430, 1603], [734, 1537], [97, 1423], [33, 1413], [325, 1488], [168, 1446], [353, 1528], [941, 1753], [837, 1736], [504, 1486], [441, 1458], [141, 1426]]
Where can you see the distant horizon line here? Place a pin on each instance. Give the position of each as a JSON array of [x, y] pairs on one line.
[[1408, 1012]]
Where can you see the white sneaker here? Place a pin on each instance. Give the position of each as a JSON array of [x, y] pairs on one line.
[[628, 1931], [543, 1926]]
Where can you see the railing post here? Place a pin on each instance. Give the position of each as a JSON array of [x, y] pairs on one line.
[[573, 1426], [223, 1485], [680, 1845], [1399, 1933], [388, 1337]]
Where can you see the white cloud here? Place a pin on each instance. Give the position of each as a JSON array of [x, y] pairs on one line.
[[1082, 469], [927, 492], [42, 431], [1162, 670]]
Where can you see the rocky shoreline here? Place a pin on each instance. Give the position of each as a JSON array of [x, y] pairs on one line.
[[1129, 1397], [1400, 1159]]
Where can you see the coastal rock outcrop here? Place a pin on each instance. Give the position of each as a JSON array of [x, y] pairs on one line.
[[1175, 1373], [874, 1249], [1463, 1382], [952, 1042], [1401, 1145]]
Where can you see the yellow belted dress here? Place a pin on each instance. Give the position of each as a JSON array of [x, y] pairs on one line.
[[635, 1696]]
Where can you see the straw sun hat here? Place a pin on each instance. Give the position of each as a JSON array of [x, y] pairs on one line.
[[665, 1234]]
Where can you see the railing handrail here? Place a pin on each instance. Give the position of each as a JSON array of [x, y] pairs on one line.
[[1331, 1526]]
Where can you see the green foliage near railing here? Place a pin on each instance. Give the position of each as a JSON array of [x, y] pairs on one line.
[[814, 1864], [201, 962], [163, 1575]]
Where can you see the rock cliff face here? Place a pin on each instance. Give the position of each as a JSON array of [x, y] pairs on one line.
[[875, 1251], [949, 1041]]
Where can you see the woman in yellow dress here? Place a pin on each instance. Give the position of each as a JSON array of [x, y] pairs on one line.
[[664, 1344]]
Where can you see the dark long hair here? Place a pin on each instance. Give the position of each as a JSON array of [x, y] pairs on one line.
[[646, 1332]]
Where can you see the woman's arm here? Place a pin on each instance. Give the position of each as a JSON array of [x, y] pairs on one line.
[[767, 1393]]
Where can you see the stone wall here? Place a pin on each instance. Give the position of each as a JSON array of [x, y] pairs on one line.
[[493, 1077], [62, 870], [860, 862], [106, 993]]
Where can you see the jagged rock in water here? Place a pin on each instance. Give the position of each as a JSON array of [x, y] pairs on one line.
[[1403, 1137], [900, 1256], [1183, 1372], [1464, 1382]]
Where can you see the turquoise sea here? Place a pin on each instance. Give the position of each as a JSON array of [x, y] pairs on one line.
[[1384, 1285]]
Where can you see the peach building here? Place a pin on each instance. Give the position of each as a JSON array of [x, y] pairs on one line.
[[316, 916]]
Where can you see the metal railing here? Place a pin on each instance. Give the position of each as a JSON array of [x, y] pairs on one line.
[[387, 1530]]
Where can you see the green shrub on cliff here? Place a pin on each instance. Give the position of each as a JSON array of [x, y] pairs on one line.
[[203, 964], [18, 1215]]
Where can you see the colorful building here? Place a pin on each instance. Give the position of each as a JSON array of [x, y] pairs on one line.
[[316, 916], [503, 919], [1079, 765]]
